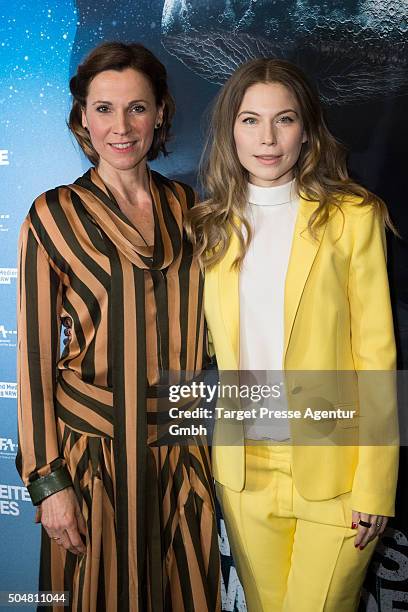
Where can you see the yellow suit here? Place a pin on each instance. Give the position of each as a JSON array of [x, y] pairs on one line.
[[337, 317]]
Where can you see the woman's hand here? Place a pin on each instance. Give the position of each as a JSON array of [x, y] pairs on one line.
[[63, 520], [368, 526]]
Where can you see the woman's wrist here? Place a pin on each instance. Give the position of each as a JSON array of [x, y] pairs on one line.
[[43, 487]]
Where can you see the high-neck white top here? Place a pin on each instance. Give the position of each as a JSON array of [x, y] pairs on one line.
[[272, 214]]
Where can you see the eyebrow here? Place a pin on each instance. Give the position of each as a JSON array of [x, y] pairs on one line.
[[110, 103], [249, 112]]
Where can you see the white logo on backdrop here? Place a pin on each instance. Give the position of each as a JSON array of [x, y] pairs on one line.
[[390, 565], [232, 595], [8, 337], [8, 390], [4, 222], [4, 160], [10, 496], [8, 448], [6, 274]]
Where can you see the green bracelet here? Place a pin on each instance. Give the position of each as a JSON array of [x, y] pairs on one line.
[[47, 485]]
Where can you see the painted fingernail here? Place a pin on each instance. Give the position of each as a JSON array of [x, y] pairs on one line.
[[354, 525], [361, 547]]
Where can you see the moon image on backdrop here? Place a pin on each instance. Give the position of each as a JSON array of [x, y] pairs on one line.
[[355, 49]]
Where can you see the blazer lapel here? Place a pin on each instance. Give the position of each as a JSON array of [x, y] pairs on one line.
[[303, 253], [228, 292]]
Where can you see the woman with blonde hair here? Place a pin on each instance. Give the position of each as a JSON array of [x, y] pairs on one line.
[[296, 280]]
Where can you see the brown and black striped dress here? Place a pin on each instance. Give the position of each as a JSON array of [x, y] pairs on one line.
[[90, 413]]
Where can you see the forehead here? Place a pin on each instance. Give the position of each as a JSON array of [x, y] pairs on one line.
[[114, 84], [269, 97]]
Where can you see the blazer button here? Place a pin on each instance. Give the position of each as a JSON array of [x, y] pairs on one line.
[[296, 390]]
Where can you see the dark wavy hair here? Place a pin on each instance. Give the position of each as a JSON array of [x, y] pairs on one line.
[[119, 56]]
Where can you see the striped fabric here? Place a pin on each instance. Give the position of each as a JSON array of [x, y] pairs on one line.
[[137, 314]]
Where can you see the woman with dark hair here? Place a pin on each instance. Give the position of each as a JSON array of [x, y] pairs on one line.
[[296, 280], [128, 521]]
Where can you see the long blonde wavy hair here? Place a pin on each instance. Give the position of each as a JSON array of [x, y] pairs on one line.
[[321, 173]]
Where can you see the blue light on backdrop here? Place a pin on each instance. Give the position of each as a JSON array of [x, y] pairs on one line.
[[356, 51]]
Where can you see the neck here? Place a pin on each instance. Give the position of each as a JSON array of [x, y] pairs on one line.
[[272, 195], [131, 185]]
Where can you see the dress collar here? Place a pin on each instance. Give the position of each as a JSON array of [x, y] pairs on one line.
[[168, 220]]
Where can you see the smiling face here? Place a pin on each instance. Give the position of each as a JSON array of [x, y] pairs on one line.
[[120, 115], [269, 134]]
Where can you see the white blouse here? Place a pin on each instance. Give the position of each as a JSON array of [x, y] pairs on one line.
[[272, 215]]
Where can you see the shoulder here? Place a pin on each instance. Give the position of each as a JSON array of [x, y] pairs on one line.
[[355, 205], [182, 191], [50, 202], [361, 222], [47, 211], [355, 213], [365, 219]]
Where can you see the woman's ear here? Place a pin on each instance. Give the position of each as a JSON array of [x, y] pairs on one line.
[[304, 137], [159, 115], [83, 119]]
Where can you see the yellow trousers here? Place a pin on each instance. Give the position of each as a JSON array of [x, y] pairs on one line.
[[291, 554]]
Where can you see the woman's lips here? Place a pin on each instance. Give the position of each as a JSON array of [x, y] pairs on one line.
[[123, 147], [268, 160]]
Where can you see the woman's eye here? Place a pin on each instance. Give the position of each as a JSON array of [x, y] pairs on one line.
[[139, 108], [102, 109], [285, 119], [249, 120]]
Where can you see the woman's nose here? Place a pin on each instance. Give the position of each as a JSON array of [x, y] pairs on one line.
[[122, 124], [268, 134]]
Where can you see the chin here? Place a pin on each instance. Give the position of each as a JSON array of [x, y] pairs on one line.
[[125, 164], [274, 175], [267, 176]]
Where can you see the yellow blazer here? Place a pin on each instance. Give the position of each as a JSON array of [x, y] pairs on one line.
[[337, 317]]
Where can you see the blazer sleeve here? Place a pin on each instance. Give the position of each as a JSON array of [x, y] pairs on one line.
[[374, 355], [38, 462]]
